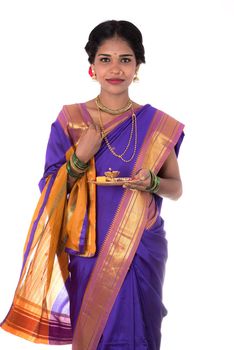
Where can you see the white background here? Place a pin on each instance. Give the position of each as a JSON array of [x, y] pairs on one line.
[[189, 74]]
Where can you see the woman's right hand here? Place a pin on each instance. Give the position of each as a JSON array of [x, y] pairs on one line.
[[89, 143]]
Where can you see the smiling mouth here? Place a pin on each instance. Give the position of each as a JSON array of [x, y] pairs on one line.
[[115, 81]]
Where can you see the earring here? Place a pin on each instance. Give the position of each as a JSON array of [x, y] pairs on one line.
[[92, 73], [135, 79]]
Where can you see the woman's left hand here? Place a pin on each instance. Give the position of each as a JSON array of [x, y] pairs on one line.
[[140, 181]]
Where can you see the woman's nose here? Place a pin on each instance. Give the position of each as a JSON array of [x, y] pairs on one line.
[[115, 68]]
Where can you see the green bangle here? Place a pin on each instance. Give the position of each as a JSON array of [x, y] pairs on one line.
[[78, 163], [154, 184], [157, 183], [71, 172]]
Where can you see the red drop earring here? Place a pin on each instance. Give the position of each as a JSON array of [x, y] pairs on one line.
[[92, 73]]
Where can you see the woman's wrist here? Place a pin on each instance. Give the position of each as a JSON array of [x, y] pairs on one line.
[[154, 183], [72, 171], [78, 163], [75, 167], [82, 158]]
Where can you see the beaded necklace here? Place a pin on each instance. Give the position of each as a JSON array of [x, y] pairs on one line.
[[133, 128], [103, 108]]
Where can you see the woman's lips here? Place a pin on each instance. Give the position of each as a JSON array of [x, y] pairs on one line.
[[114, 81]]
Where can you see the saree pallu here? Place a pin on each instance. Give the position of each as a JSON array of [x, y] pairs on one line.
[[132, 319]]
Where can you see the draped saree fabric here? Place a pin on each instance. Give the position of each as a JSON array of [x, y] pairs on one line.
[[108, 294]]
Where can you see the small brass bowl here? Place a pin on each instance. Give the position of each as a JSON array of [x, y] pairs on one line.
[[112, 174]]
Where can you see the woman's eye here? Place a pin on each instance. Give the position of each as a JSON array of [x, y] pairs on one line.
[[104, 59], [125, 60], [108, 59]]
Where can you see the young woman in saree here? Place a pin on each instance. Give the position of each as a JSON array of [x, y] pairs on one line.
[[95, 254]]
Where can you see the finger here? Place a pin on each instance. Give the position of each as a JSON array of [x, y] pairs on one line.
[[130, 186], [138, 171], [96, 127], [91, 125], [142, 175], [139, 178], [137, 175], [99, 131], [135, 182]]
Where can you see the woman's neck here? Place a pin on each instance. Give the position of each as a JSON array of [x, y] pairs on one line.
[[114, 101]]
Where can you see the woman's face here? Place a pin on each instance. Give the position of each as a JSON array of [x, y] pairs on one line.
[[115, 65]]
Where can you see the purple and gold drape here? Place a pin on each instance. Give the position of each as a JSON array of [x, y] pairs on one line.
[[107, 225]]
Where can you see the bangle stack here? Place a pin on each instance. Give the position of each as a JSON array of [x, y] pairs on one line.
[[154, 184], [78, 163], [75, 167]]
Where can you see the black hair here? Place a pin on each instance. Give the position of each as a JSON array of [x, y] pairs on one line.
[[109, 29]]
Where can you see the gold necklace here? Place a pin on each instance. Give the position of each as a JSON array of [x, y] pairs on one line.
[[103, 108], [134, 127]]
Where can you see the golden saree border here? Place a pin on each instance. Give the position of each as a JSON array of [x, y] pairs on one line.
[[122, 238], [160, 141], [30, 323]]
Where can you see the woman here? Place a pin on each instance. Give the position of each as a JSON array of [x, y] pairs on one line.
[[95, 254]]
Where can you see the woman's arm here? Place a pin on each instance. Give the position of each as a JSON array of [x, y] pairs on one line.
[[88, 145], [170, 185], [170, 181]]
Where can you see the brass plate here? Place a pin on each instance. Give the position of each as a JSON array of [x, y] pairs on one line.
[[106, 181]]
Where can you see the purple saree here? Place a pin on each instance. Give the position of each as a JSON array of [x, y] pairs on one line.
[[114, 298]]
